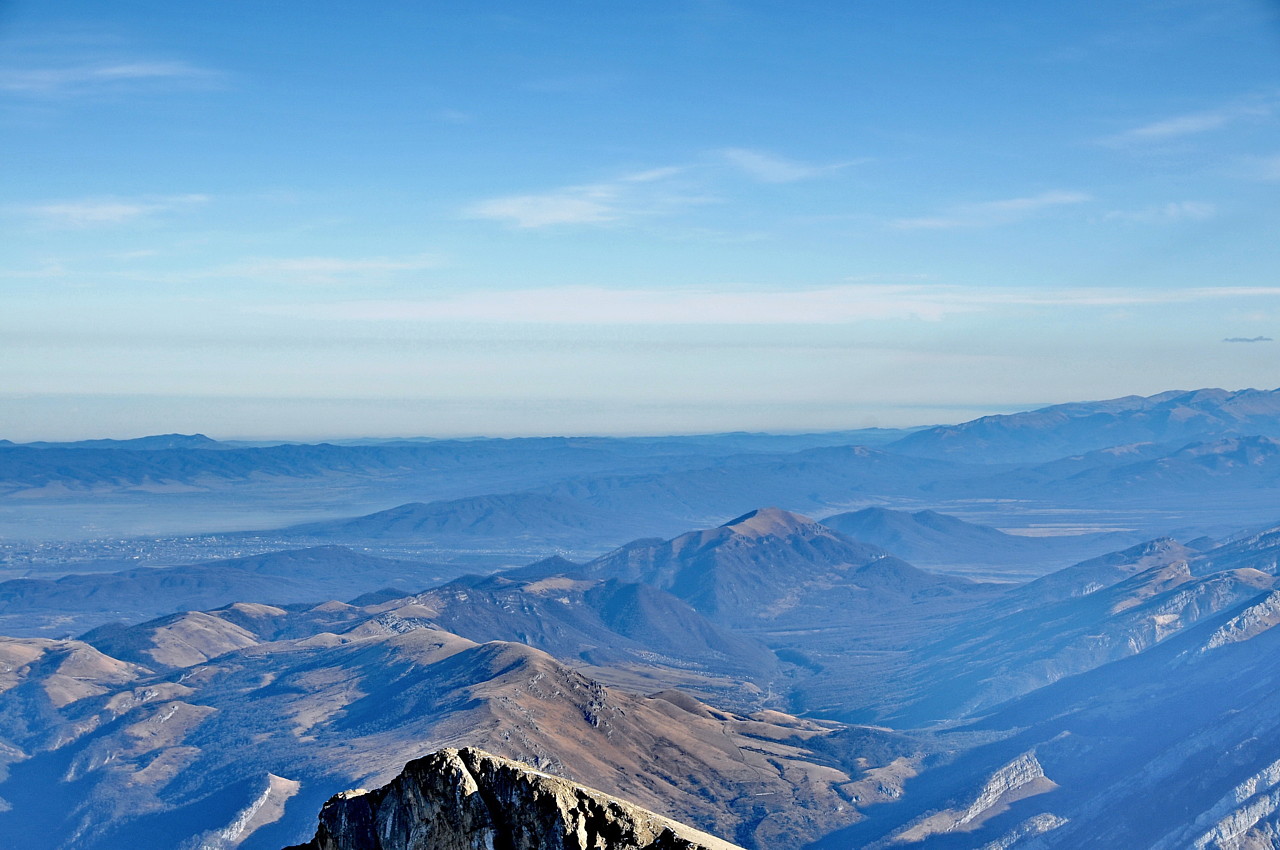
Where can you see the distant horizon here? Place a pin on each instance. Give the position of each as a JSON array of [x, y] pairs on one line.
[[469, 437], [325, 436]]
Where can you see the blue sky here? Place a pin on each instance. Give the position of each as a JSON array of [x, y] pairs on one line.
[[326, 219]]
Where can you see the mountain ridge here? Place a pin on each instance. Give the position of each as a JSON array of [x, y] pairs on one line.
[[1073, 428]]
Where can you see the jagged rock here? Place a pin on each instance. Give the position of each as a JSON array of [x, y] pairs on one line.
[[1021, 778], [470, 800], [1038, 825], [1251, 621]]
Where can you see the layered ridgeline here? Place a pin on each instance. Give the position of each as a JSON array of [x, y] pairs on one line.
[[175, 485], [1141, 457], [450, 468], [1143, 483], [539, 518], [75, 603], [1176, 416], [1145, 459], [595, 511], [471, 800]]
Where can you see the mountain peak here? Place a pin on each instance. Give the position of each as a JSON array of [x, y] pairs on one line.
[[765, 522], [470, 800]]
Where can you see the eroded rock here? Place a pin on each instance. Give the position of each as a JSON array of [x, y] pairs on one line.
[[470, 800]]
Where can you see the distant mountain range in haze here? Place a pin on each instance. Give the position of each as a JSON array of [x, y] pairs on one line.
[[73, 603], [932, 539], [586, 493], [1176, 416]]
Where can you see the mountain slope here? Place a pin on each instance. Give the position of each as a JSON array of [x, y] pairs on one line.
[[605, 622], [1229, 463], [908, 661], [510, 518], [938, 541], [771, 566], [808, 480], [1173, 745], [994, 660], [1072, 429], [1257, 550]]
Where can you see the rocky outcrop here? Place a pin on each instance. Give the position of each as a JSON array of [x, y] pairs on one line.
[[1239, 820], [265, 808], [1252, 621], [1021, 778], [470, 800], [1037, 825], [1014, 776]]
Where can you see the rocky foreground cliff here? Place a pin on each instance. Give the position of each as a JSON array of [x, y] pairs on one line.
[[470, 800]]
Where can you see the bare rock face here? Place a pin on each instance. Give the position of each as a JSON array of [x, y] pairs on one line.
[[470, 800]]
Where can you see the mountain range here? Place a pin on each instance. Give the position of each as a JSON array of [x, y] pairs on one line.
[[1132, 456], [74, 603], [1020, 709], [1176, 416]]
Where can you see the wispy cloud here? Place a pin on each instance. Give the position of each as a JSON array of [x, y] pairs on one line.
[[1195, 123], [1170, 212], [106, 212], [830, 305], [992, 213], [769, 168], [598, 305], [567, 206], [632, 195], [1248, 339], [639, 194], [92, 77]]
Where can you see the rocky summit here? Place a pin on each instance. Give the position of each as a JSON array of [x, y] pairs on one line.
[[468, 799]]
